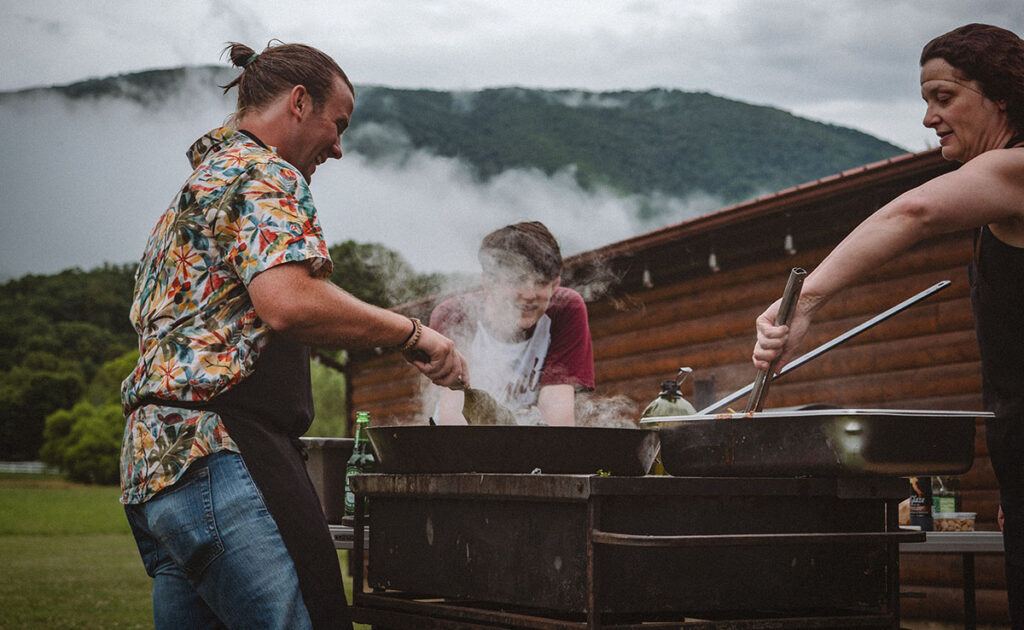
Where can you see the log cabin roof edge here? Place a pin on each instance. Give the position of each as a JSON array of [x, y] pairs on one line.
[[771, 204]]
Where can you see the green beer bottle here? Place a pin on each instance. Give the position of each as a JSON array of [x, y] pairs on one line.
[[361, 461], [945, 494]]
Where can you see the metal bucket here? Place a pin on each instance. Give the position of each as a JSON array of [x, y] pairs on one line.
[[326, 468]]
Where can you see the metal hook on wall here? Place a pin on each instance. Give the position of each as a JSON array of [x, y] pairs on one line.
[[646, 280]]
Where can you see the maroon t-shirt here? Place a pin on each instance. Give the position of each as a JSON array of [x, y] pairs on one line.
[[570, 357]]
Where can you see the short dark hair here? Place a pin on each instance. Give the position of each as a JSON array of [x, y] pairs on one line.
[[526, 247], [992, 56], [279, 68]]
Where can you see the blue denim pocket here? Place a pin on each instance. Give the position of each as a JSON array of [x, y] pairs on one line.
[[149, 549], [182, 519]]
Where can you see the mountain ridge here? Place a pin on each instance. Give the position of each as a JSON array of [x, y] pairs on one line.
[[651, 142]]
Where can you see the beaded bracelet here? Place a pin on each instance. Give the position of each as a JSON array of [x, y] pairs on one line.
[[414, 336]]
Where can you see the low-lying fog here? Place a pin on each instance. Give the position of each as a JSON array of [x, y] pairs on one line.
[[85, 180]]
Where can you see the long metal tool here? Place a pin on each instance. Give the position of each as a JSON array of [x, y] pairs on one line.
[[828, 345], [790, 296]]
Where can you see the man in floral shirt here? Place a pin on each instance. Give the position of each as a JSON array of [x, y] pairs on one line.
[[230, 288]]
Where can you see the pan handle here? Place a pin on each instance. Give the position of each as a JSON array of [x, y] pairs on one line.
[[786, 308]]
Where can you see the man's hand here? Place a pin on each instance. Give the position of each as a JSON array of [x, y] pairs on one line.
[[437, 358]]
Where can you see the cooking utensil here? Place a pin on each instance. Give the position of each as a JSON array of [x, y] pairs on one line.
[[821, 442], [479, 407], [513, 449], [789, 299], [825, 347]]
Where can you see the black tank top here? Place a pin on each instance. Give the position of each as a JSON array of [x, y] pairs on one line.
[[997, 297]]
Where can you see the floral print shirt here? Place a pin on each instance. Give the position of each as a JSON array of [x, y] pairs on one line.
[[242, 211]]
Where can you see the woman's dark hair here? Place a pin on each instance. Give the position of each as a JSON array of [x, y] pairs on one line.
[[992, 56], [279, 68], [521, 248]]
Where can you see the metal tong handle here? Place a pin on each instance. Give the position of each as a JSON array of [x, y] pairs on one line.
[[789, 299], [832, 343]]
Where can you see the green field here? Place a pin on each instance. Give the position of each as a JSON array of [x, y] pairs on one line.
[[67, 558]]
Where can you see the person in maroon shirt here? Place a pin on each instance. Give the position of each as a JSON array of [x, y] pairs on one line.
[[526, 339]]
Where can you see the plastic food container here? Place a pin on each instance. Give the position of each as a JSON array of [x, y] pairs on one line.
[[953, 521]]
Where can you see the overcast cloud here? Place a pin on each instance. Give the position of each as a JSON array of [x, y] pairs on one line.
[[852, 63], [849, 62]]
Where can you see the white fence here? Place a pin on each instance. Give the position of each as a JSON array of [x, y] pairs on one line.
[[26, 467]]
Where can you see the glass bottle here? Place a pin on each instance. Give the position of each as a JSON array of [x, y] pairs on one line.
[[921, 503], [361, 461], [945, 494]]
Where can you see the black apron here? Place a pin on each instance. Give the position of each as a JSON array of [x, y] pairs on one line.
[[265, 414]]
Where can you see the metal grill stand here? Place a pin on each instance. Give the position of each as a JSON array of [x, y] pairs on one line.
[[568, 552]]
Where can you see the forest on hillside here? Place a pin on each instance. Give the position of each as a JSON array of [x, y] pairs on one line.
[[654, 141]]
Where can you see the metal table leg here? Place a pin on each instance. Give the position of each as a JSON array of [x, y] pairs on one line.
[[594, 522], [970, 605]]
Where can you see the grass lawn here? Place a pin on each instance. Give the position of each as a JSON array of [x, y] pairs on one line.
[[67, 558]]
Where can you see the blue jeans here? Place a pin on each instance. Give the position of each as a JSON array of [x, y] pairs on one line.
[[215, 553]]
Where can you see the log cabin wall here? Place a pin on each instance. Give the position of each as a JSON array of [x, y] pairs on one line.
[[667, 308]]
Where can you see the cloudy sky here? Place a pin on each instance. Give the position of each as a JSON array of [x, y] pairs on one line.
[[851, 62]]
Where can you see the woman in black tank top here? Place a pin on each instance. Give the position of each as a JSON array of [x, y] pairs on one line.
[[972, 80]]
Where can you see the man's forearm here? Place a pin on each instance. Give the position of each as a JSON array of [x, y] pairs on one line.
[[315, 311]]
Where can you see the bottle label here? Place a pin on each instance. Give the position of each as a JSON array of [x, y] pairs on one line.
[[921, 502], [361, 460], [350, 497]]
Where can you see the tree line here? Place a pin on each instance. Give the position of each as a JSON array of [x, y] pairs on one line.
[[66, 344]]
